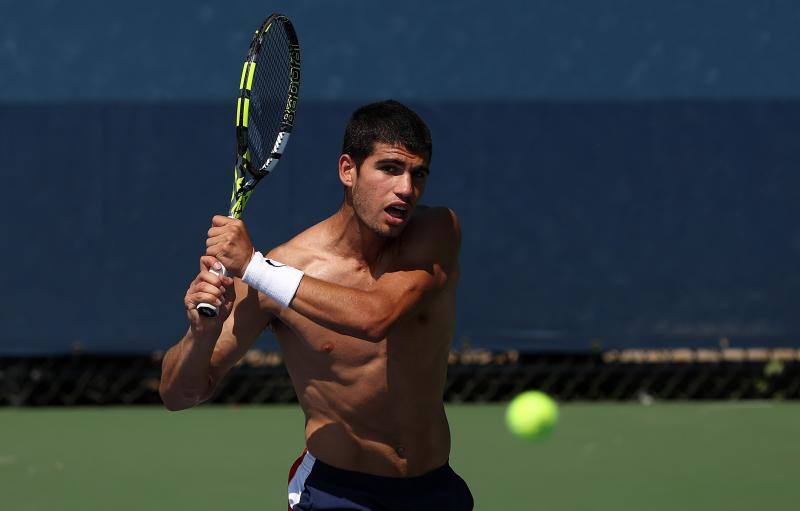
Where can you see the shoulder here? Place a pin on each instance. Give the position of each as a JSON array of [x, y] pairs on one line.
[[299, 251], [434, 233], [437, 221]]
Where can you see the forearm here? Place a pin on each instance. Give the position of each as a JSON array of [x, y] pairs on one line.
[[185, 374], [345, 310], [366, 314]]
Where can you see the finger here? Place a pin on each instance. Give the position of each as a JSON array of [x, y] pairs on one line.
[[191, 302], [210, 288], [213, 299], [210, 278], [218, 231], [202, 297], [208, 263], [214, 251], [220, 239], [206, 289], [220, 220]]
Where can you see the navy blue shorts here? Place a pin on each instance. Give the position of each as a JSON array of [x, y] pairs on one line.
[[318, 486]]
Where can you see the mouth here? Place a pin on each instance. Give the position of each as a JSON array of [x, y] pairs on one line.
[[397, 212]]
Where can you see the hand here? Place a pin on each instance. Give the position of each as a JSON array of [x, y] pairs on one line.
[[209, 288], [229, 243]]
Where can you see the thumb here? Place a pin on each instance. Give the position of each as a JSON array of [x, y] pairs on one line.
[[208, 263], [219, 220]]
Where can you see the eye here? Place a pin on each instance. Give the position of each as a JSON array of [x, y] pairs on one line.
[[419, 174]]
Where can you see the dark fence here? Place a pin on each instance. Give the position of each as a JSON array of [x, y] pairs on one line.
[[473, 376]]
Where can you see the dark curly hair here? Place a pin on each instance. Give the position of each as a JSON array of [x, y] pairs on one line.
[[390, 122]]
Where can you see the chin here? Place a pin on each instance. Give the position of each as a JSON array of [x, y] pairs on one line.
[[388, 231]]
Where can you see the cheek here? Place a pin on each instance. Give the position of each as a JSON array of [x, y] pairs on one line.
[[361, 198], [370, 191]]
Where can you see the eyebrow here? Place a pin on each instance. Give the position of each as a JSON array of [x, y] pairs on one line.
[[402, 163]]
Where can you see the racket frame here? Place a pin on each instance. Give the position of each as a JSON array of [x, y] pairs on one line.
[[245, 175]]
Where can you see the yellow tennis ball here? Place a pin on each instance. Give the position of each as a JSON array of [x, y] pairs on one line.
[[532, 415]]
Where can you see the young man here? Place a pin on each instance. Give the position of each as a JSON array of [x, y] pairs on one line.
[[363, 305]]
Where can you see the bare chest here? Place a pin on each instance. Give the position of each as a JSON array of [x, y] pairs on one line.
[[312, 348], [315, 343]]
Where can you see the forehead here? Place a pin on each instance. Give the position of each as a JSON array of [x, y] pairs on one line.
[[383, 151]]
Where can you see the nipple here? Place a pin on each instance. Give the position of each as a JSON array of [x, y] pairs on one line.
[[327, 347]]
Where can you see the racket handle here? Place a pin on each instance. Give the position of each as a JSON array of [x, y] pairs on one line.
[[206, 309]]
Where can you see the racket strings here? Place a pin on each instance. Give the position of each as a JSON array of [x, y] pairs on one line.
[[269, 94]]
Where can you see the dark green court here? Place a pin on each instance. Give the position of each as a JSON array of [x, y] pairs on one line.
[[731, 456]]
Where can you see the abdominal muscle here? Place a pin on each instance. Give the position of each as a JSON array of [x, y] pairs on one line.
[[373, 407]]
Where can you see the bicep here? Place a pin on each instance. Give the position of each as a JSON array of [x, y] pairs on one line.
[[404, 288], [431, 260]]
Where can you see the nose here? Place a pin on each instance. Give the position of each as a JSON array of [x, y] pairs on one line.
[[404, 186]]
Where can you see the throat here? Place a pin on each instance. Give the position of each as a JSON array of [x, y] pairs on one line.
[[352, 237]]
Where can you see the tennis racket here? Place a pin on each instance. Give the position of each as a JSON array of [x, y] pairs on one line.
[[265, 109]]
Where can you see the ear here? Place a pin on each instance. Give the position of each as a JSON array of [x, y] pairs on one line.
[[347, 170]]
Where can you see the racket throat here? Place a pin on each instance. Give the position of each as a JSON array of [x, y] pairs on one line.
[[246, 187]]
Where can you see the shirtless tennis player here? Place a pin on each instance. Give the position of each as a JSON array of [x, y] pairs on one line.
[[363, 305]]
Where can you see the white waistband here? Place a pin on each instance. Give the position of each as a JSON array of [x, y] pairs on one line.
[[308, 461]]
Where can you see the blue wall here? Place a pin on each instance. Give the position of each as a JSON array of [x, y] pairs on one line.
[[414, 49], [631, 223], [627, 172]]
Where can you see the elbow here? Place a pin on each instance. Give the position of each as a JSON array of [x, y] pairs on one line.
[[373, 332], [173, 407], [376, 324], [170, 403], [173, 402], [176, 405]]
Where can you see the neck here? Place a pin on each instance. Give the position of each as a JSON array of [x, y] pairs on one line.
[[352, 238]]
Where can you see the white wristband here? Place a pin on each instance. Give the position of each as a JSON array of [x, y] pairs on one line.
[[274, 279]]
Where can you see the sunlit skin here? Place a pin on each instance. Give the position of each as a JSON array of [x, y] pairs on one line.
[[367, 335], [390, 175]]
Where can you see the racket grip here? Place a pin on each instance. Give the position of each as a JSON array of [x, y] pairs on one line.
[[206, 309]]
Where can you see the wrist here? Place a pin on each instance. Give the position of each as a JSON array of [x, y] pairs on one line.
[[275, 279], [247, 263], [202, 335]]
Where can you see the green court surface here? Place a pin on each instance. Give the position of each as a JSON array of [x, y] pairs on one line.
[[705, 456]]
